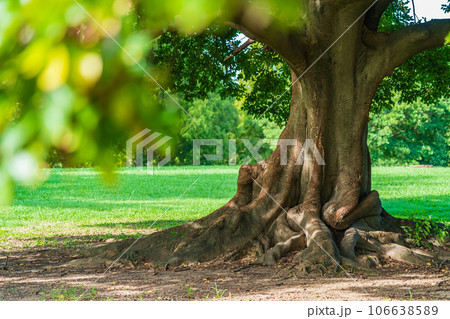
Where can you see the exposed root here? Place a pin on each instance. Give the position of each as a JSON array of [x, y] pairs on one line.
[[255, 225], [295, 243], [348, 243], [329, 206], [341, 218], [318, 256], [390, 245], [360, 247], [243, 220], [321, 250]]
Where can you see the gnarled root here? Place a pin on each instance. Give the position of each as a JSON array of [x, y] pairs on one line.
[[255, 225], [295, 243], [366, 245]]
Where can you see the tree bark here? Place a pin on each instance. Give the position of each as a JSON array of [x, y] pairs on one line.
[[327, 213], [324, 212]]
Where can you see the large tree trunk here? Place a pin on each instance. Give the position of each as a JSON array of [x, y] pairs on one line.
[[328, 213], [285, 204]]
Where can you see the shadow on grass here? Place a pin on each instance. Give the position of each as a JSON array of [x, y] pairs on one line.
[[146, 224], [36, 244]]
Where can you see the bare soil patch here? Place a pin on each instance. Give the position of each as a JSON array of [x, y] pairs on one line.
[[37, 274]]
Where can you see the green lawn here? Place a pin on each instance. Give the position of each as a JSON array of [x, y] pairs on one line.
[[76, 202]]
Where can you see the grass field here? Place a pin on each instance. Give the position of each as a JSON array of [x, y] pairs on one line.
[[75, 203]]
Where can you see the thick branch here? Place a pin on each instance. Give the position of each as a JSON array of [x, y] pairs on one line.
[[239, 49], [268, 29], [373, 16], [403, 44]]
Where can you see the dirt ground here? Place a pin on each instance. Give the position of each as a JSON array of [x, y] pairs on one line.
[[37, 274]]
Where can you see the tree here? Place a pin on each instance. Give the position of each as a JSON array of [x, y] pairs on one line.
[[337, 59], [324, 212], [410, 134], [218, 119]]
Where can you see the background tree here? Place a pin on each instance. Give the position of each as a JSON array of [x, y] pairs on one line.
[[218, 119], [413, 133], [337, 56]]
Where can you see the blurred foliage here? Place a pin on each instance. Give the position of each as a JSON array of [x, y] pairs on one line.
[[193, 16], [75, 77], [66, 85], [411, 134]]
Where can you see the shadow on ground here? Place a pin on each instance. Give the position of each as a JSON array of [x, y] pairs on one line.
[[38, 275]]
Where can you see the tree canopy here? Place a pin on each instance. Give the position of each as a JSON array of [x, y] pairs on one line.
[[261, 78]]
